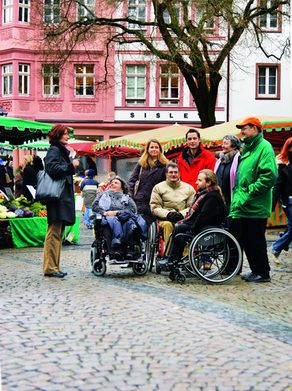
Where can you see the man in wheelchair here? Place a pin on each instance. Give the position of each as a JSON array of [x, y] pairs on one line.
[[170, 200], [207, 209], [119, 224]]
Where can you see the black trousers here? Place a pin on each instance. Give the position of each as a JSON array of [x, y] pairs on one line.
[[250, 233], [178, 242]]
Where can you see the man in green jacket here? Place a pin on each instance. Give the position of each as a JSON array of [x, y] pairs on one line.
[[252, 198]]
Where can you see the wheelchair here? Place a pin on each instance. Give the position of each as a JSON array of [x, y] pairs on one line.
[[99, 256], [214, 244]]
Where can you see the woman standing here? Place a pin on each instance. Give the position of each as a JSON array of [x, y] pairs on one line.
[[29, 176], [283, 191], [149, 171], [226, 166], [62, 212]]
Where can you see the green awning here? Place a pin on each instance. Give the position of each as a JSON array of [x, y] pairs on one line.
[[16, 131]]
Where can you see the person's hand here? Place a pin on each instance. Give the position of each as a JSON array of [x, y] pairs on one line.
[[110, 213], [174, 217], [75, 163]]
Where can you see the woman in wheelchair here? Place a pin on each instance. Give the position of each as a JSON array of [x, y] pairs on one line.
[[207, 209], [120, 224]]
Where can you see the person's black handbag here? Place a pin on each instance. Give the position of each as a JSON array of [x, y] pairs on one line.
[[48, 189]]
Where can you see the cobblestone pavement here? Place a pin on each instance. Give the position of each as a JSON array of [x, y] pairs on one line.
[[122, 332]]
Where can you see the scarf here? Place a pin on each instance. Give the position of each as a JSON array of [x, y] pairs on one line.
[[197, 199]]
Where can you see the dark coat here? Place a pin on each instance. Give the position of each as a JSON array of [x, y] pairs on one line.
[[58, 165], [2, 178], [283, 186], [148, 179], [210, 212], [29, 177]]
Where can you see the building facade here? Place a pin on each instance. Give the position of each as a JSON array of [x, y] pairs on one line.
[[142, 92]]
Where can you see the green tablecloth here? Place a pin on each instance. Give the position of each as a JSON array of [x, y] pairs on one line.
[[31, 232]]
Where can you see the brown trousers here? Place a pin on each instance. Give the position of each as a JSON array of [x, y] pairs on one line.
[[52, 248]]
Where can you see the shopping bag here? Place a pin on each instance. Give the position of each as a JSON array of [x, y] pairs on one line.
[[48, 189]]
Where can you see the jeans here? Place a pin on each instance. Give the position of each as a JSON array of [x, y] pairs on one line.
[[87, 214], [286, 239]]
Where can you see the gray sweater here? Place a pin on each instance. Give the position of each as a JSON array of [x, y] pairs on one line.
[[110, 200]]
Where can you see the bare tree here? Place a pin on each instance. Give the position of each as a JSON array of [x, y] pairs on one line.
[[186, 31]]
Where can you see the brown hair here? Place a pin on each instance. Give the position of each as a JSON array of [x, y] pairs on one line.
[[146, 161], [283, 156], [211, 177], [57, 132]]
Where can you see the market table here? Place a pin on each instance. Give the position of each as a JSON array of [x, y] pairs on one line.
[[31, 232]]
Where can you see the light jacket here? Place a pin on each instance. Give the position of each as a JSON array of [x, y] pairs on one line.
[[189, 173], [171, 197], [256, 176]]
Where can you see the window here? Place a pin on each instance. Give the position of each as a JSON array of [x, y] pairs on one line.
[[51, 11], [169, 85], [268, 81], [7, 11], [85, 9], [24, 11], [84, 80], [23, 79], [166, 15], [208, 21], [51, 80], [7, 79], [269, 21], [137, 10], [135, 84]]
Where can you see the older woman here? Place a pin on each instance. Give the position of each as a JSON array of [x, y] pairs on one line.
[[58, 165], [119, 213], [226, 166], [149, 171]]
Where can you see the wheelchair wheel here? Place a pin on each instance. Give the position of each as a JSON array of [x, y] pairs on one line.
[[99, 268], [210, 255], [140, 268], [93, 255], [151, 246]]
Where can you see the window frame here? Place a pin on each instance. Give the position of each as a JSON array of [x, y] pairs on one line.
[[84, 76], [266, 96], [137, 6], [81, 8], [9, 77], [53, 11], [24, 11], [166, 102], [51, 75], [23, 79], [268, 28], [129, 101], [7, 9]]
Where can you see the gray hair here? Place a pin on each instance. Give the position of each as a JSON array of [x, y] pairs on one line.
[[235, 142]]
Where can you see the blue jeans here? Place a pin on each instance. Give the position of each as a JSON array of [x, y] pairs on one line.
[[286, 239], [87, 214]]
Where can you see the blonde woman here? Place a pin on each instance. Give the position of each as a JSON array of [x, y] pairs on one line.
[[29, 176], [149, 171]]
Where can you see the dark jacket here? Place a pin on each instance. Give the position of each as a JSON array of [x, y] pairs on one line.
[[211, 211], [29, 177], [148, 179], [58, 165], [283, 186], [2, 178]]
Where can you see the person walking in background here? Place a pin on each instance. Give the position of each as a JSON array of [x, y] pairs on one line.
[[88, 188], [226, 166], [194, 158], [149, 171], [62, 212], [18, 181], [251, 203], [9, 170], [3, 182], [29, 176], [283, 192]]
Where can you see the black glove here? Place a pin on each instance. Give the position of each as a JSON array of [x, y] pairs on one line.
[[174, 217]]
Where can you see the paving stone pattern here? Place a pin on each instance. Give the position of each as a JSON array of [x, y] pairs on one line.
[[122, 332]]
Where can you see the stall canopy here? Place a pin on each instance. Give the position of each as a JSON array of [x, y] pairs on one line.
[[138, 140], [276, 130], [16, 131]]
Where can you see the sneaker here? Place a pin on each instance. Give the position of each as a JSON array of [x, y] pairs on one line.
[[258, 278], [276, 253]]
